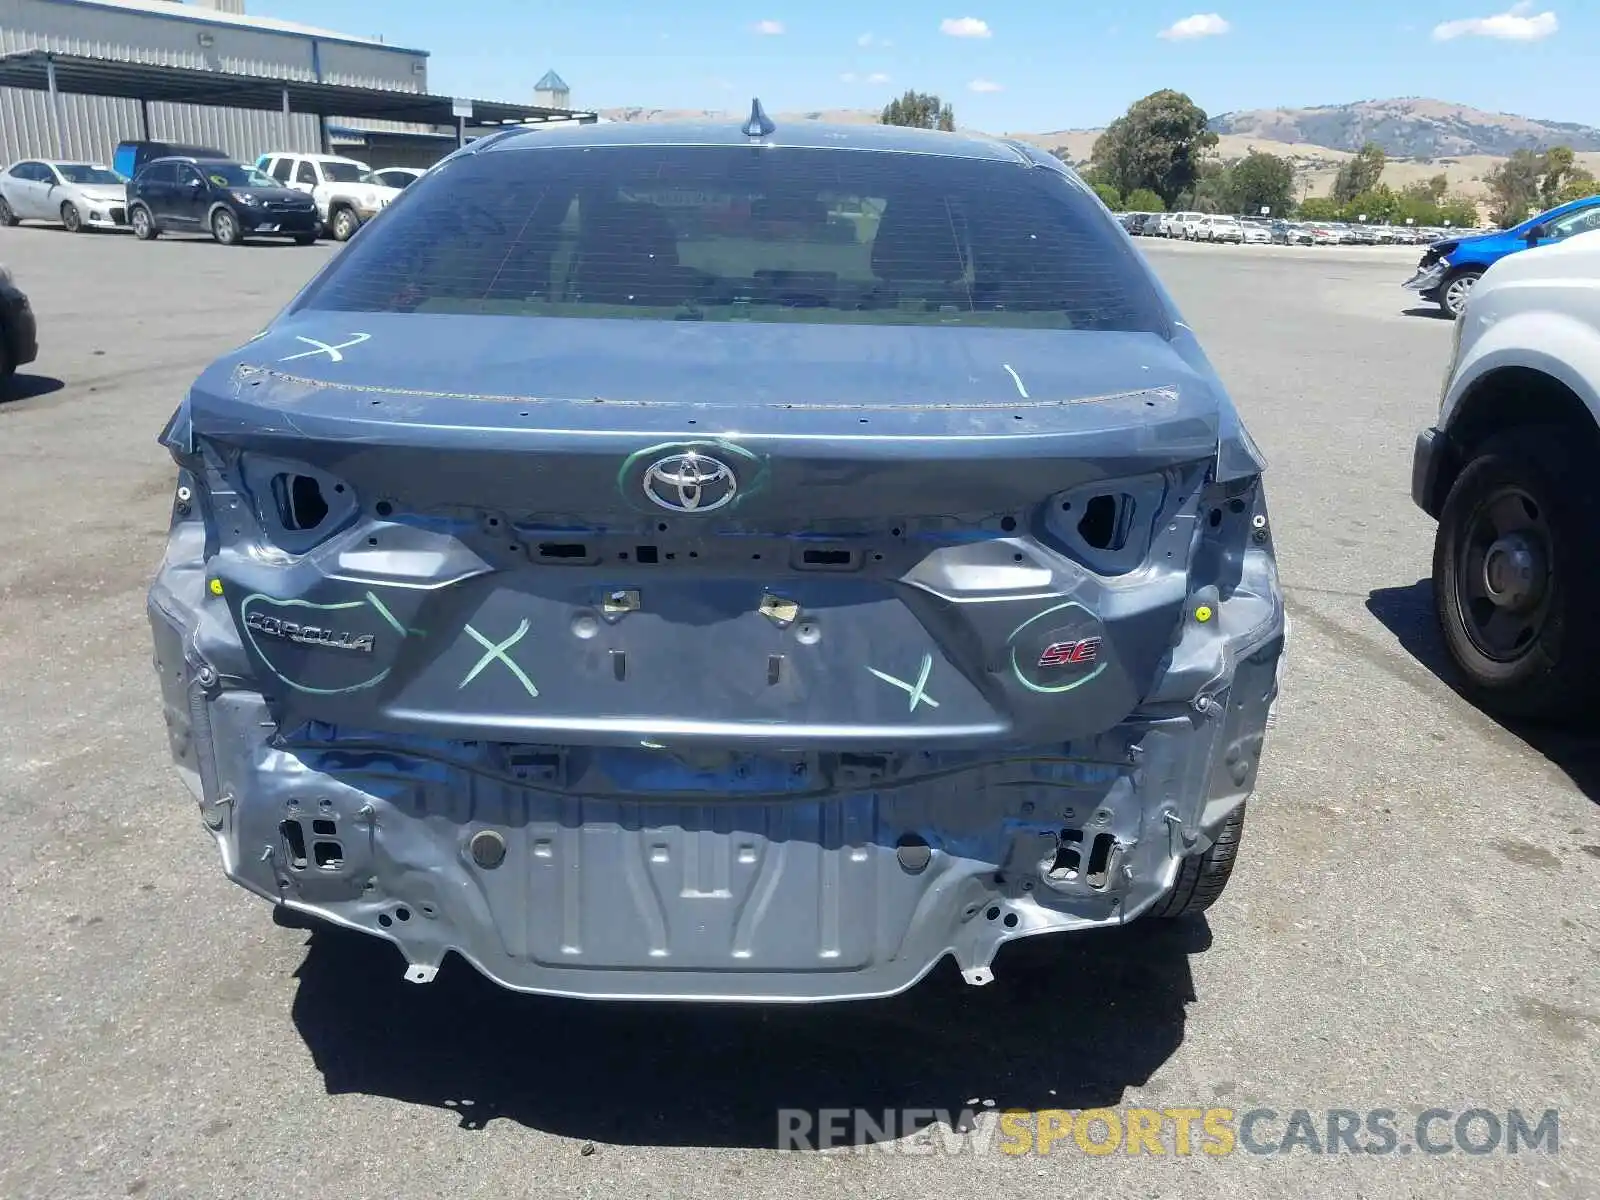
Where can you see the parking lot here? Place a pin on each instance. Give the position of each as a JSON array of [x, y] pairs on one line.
[[1413, 924]]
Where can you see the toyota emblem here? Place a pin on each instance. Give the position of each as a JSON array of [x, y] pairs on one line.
[[690, 482]]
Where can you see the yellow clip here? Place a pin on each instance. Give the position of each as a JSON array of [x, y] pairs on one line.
[[1203, 613], [216, 587]]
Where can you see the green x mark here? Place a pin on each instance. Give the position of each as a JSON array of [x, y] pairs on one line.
[[916, 690], [496, 652]]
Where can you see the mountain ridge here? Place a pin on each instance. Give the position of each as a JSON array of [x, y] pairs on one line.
[[1422, 137], [1405, 127], [1408, 127]]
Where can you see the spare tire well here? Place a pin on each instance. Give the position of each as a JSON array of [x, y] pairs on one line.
[[1512, 398]]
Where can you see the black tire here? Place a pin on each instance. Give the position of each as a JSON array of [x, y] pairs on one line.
[[1543, 476], [225, 228], [1203, 876], [1454, 290], [7, 217], [144, 224], [7, 367], [305, 239], [343, 224], [71, 218]]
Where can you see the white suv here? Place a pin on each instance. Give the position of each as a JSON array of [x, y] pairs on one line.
[[1173, 224], [1509, 471], [346, 194], [1218, 229]]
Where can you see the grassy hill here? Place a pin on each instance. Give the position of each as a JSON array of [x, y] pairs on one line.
[[1422, 137]]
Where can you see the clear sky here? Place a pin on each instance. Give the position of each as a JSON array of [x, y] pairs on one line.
[[1017, 65]]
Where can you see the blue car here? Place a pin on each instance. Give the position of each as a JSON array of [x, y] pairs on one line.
[[722, 563], [1450, 269]]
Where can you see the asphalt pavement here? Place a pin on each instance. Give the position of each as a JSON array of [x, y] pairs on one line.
[[1412, 926]]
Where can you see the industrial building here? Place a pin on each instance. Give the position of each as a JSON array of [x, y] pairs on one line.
[[83, 98]]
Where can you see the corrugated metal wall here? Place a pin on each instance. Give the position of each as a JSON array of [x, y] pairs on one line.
[[93, 125]]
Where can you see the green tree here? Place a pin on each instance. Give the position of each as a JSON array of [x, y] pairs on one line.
[[1320, 208], [1425, 192], [1109, 196], [1459, 212], [1158, 144], [1378, 204], [919, 110], [1095, 176], [1213, 191], [1514, 187], [1143, 200], [1555, 168], [1260, 181], [1360, 174], [1581, 185]]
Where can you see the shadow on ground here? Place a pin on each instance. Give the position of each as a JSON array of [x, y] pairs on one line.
[[1429, 310], [1407, 612], [1070, 1022], [23, 386]]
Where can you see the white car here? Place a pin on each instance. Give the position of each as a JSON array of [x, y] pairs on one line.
[[346, 198], [1217, 229], [1175, 225], [1257, 233], [75, 195], [1509, 472]]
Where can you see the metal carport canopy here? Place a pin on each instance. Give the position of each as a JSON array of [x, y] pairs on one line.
[[48, 71]]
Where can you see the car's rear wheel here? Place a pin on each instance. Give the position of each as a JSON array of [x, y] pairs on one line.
[[1516, 576], [1455, 290], [71, 218], [1202, 877], [7, 217], [225, 227], [144, 225], [345, 224]]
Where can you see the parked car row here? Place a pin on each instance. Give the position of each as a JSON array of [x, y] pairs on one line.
[[1221, 227], [158, 187]]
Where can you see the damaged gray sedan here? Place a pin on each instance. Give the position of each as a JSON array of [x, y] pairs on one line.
[[712, 563]]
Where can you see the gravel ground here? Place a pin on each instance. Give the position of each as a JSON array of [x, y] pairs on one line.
[[1413, 924]]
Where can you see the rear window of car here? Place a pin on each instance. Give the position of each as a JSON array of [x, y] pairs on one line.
[[745, 233]]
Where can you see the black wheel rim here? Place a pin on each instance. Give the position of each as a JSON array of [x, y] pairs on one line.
[[1505, 574]]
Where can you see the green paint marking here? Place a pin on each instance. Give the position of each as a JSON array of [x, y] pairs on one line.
[[383, 611], [497, 652], [244, 612], [917, 691], [1039, 616], [749, 484], [1016, 668]]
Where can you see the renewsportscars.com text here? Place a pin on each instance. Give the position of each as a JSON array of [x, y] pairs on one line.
[[1178, 1131]]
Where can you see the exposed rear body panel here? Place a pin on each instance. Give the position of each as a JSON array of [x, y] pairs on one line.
[[714, 658]]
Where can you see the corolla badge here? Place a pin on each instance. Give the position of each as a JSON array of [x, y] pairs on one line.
[[690, 482], [309, 635]]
